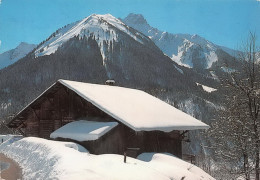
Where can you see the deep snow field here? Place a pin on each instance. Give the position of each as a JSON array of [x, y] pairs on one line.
[[46, 159]]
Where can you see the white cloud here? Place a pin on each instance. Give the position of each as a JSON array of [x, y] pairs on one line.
[[0, 1]]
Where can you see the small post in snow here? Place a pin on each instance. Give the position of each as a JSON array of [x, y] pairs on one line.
[[125, 157]]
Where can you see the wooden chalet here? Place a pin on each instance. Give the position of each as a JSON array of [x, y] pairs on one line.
[[105, 119]]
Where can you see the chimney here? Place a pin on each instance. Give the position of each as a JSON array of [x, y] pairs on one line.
[[110, 82]]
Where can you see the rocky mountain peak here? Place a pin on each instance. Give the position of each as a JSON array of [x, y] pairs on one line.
[[102, 27], [188, 50], [135, 19]]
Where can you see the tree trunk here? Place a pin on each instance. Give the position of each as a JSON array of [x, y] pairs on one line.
[[257, 162], [257, 150], [246, 167]]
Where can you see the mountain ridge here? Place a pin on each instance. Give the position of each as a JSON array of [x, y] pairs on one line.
[[11, 56], [192, 51]]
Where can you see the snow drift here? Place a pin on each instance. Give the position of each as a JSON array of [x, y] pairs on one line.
[[45, 159]]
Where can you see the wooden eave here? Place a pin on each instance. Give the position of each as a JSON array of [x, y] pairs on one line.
[[19, 118]]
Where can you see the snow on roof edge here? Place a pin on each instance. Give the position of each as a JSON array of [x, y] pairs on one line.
[[83, 130]]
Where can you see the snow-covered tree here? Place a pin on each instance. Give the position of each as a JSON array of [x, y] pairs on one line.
[[236, 132]]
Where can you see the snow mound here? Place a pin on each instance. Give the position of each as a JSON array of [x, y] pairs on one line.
[[174, 167], [83, 130], [227, 70], [45, 159], [40, 158], [9, 138]]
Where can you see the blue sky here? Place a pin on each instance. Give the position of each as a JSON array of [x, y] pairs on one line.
[[224, 22]]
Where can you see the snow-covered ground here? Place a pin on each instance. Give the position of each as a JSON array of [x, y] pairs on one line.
[[9, 137], [206, 88], [45, 159], [172, 166], [227, 70]]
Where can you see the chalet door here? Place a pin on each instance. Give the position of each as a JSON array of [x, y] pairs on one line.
[[170, 145], [32, 129], [57, 124], [46, 128], [46, 123]]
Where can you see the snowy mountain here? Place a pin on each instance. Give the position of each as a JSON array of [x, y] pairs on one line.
[[118, 44], [103, 27], [188, 50], [9, 57]]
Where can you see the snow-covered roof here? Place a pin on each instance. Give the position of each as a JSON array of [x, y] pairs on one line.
[[135, 108], [83, 130]]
